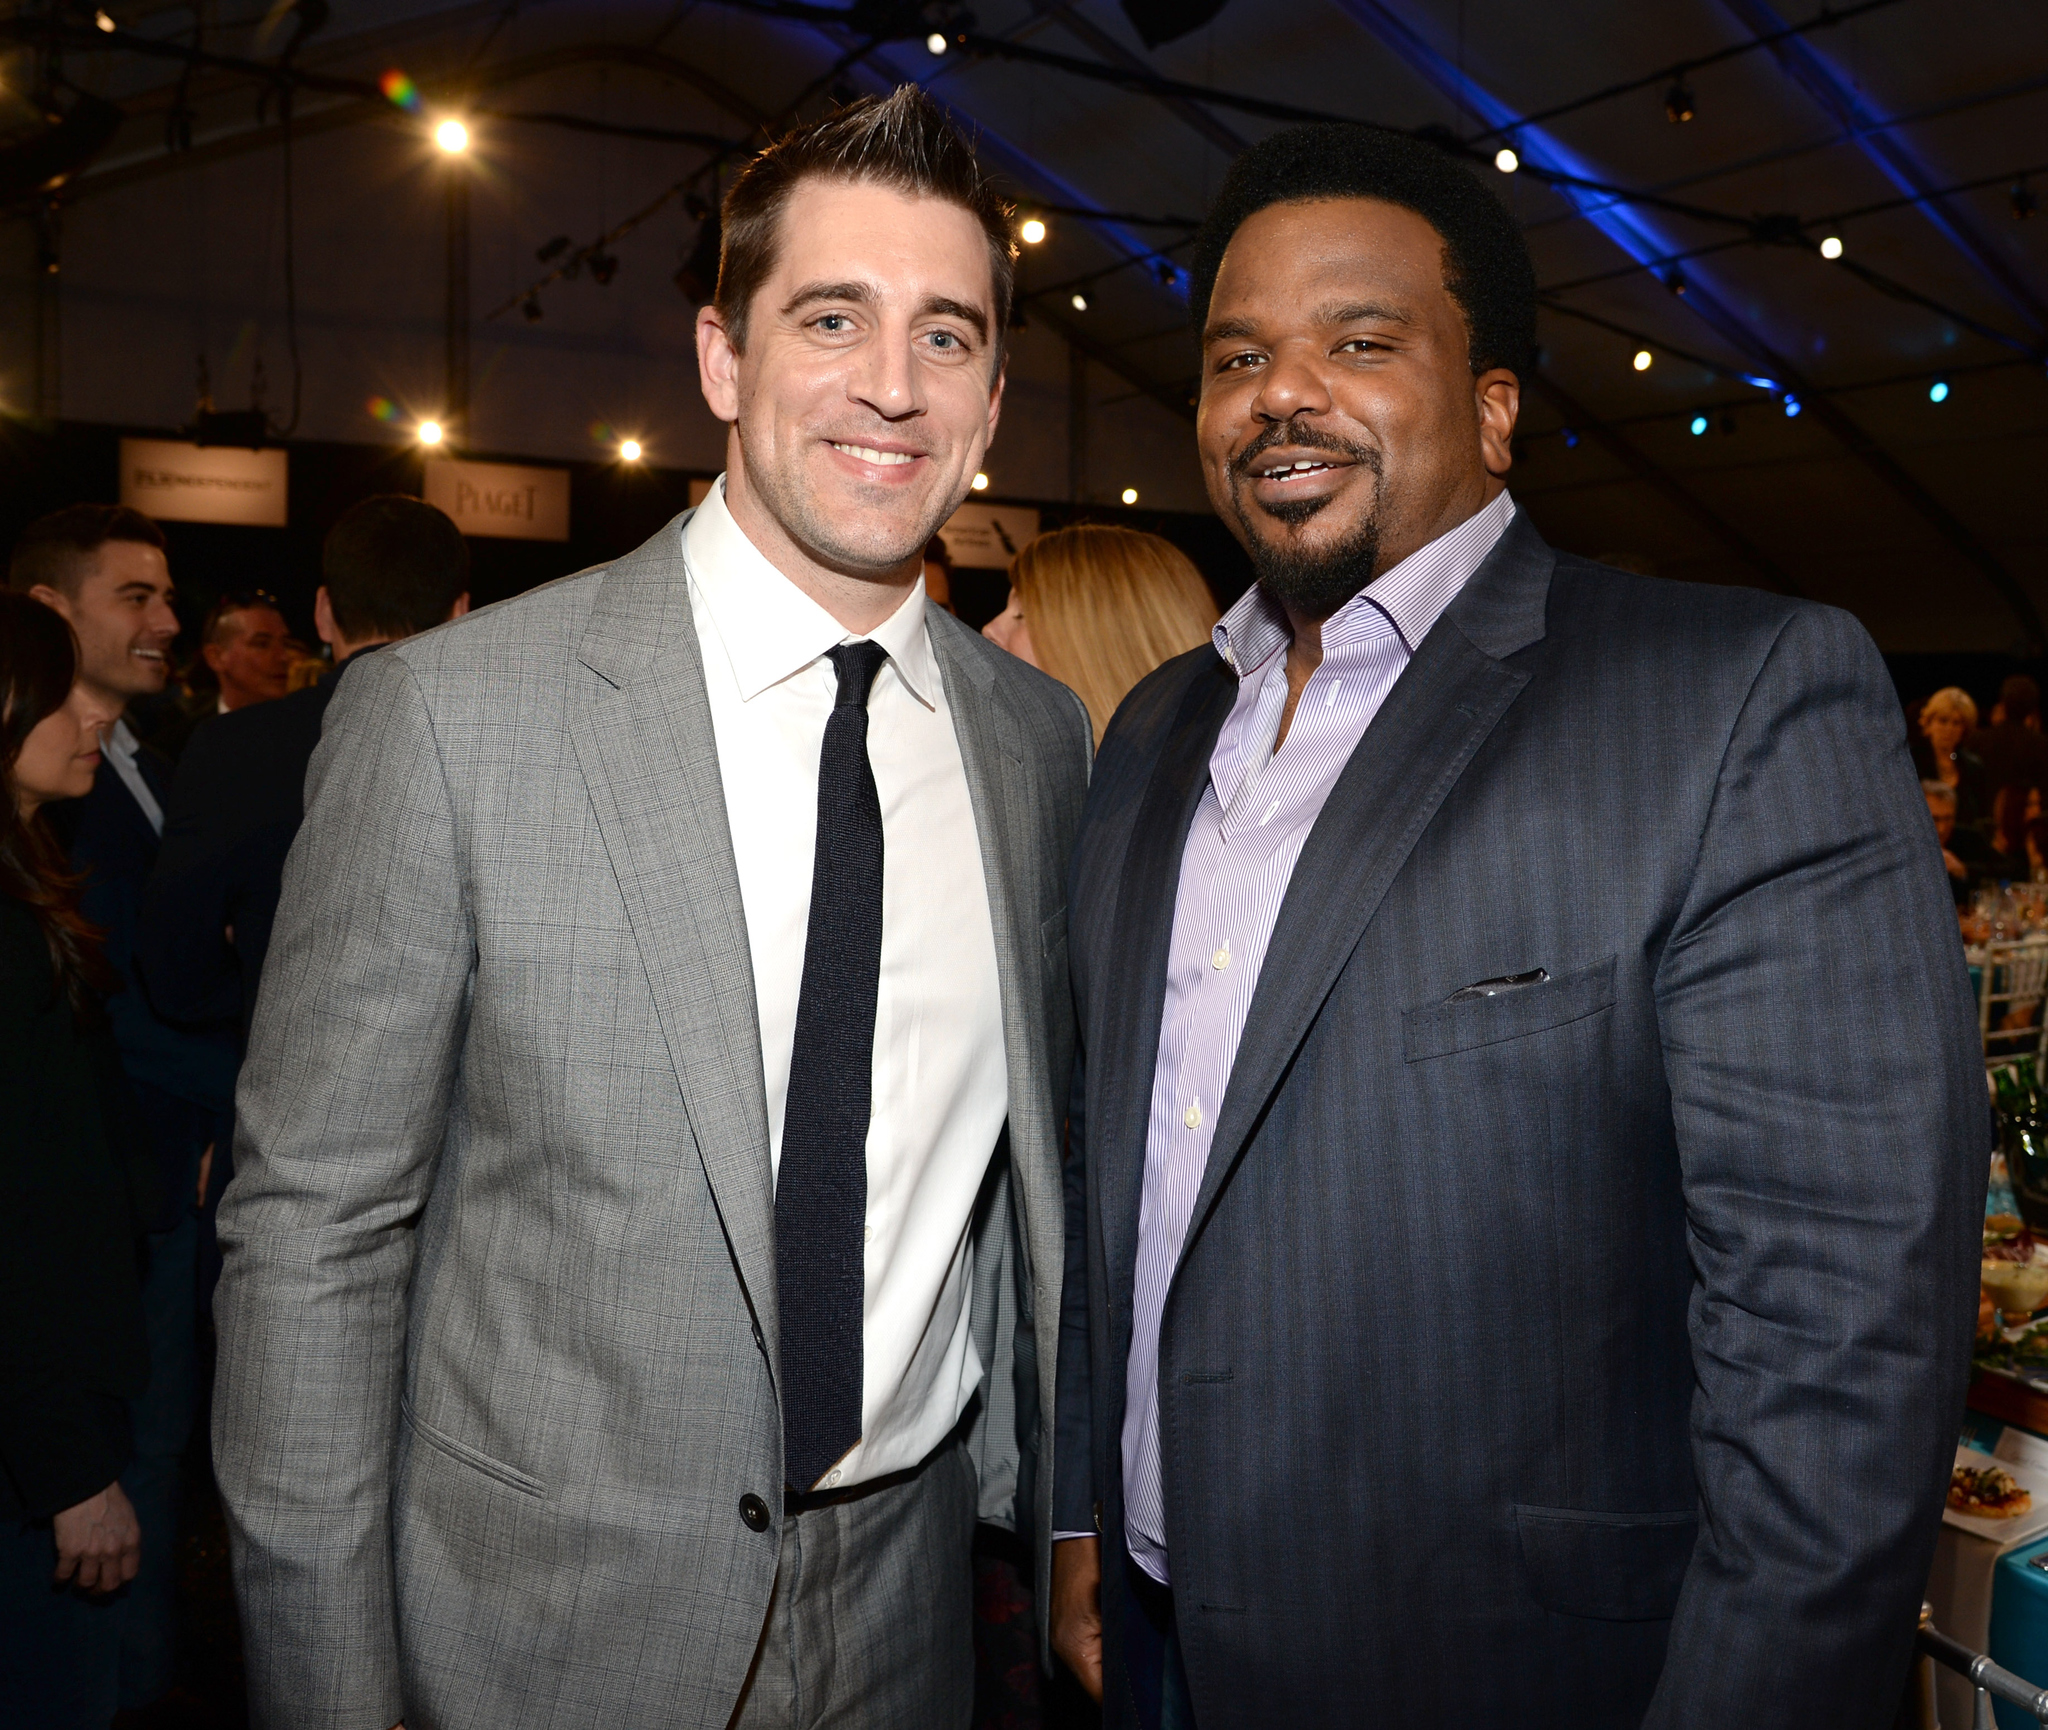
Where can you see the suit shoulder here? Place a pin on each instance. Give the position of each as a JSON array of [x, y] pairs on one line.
[[544, 622], [1702, 618], [1036, 695], [1148, 711]]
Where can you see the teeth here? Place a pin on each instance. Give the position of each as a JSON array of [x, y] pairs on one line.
[[870, 455], [1291, 469]]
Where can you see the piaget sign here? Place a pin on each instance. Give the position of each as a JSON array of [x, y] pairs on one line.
[[502, 499], [187, 483]]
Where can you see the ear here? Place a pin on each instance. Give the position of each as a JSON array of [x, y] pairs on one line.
[[1499, 397], [461, 605], [323, 618], [718, 364], [211, 655], [55, 599]]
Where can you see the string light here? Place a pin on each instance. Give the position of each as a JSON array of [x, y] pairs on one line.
[[1938, 391], [1079, 303], [452, 136], [1642, 360], [1130, 495], [1699, 425], [1506, 160], [629, 450], [979, 483], [935, 43], [430, 432], [1032, 231], [1831, 248]]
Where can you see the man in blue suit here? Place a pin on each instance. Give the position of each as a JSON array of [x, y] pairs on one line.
[[103, 568], [1522, 1208]]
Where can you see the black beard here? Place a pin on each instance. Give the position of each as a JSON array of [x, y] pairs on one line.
[[1311, 584]]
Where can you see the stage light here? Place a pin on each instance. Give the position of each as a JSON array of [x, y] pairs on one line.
[[936, 42], [1032, 231], [105, 23], [1831, 248], [979, 483], [1678, 104], [1506, 160], [1699, 425], [1938, 391], [1079, 303], [430, 432], [629, 450], [1791, 408], [1642, 360], [1130, 495], [1571, 439], [452, 136]]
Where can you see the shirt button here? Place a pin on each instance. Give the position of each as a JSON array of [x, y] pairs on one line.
[[1221, 958], [867, 1234], [754, 1511], [1192, 1117], [831, 1478]]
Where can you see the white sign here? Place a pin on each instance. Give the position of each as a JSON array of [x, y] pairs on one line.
[[988, 536], [501, 499], [186, 483]]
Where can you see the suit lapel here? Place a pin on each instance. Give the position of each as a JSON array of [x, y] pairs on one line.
[[1438, 714], [641, 726], [1147, 891]]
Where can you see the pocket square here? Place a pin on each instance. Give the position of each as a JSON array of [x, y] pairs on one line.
[[1499, 987]]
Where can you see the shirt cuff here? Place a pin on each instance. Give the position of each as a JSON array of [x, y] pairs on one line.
[[1062, 1537]]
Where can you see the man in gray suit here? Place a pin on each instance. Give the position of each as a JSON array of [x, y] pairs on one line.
[[1522, 1248], [644, 1257]]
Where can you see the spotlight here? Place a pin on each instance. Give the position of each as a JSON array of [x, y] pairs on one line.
[[1032, 231], [1571, 439], [1831, 248], [1938, 391], [1506, 160], [1130, 495], [1791, 408], [105, 23], [979, 483], [1699, 425], [1678, 105], [1079, 303], [452, 136], [936, 42], [430, 432], [1642, 360]]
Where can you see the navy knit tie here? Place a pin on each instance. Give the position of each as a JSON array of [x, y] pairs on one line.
[[821, 1187]]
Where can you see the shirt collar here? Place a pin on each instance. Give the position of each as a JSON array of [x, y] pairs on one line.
[[1411, 597], [769, 627], [120, 741]]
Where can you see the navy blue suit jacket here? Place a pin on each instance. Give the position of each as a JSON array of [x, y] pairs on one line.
[[1589, 1355]]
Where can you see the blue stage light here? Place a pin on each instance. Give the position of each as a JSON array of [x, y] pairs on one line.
[[1699, 425], [1938, 391]]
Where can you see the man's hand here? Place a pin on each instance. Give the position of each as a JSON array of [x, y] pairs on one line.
[[1077, 1609], [99, 1541]]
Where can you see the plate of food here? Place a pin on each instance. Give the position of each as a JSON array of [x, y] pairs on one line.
[[1995, 1499]]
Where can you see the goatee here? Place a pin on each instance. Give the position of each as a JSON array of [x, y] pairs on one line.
[[1312, 583]]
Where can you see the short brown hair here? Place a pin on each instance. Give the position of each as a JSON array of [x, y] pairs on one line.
[[57, 550], [393, 565], [1105, 605], [902, 140]]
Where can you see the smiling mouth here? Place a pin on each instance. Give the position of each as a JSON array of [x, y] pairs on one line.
[[868, 454], [1294, 471]]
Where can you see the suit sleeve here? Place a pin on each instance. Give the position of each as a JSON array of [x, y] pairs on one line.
[[341, 1113], [1074, 1495], [1828, 1098]]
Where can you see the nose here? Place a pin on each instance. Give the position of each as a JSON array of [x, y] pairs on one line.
[[887, 378], [1292, 384]]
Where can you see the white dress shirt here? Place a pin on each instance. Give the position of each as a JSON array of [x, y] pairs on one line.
[[941, 1081]]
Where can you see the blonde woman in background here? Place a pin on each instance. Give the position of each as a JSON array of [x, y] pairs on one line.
[[1099, 607], [1946, 720]]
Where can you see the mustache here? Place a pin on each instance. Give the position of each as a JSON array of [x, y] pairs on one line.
[[1302, 438]]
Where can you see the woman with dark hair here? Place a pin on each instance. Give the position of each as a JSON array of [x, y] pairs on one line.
[[72, 1200]]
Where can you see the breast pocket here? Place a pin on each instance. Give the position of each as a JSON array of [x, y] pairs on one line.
[[1439, 1029]]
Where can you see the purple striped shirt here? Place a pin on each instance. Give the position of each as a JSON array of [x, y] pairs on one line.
[[1255, 815]]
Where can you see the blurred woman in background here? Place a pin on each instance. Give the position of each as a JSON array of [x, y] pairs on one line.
[[1098, 607], [1946, 719], [73, 1199]]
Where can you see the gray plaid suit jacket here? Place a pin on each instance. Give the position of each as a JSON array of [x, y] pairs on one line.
[[498, 1317]]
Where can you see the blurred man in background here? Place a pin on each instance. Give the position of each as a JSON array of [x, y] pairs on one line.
[[391, 567], [249, 648], [103, 568]]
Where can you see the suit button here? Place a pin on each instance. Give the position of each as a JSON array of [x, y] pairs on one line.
[[754, 1511]]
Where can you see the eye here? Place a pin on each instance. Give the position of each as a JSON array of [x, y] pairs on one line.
[[946, 341], [1238, 362], [834, 323], [1360, 345]]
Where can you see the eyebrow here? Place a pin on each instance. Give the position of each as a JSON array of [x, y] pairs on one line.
[[813, 292], [938, 305], [1345, 312]]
